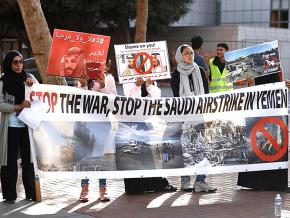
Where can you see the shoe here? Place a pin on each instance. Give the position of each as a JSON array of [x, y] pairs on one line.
[[286, 190], [170, 188], [203, 187], [185, 184], [104, 197], [9, 201], [30, 198], [85, 190]]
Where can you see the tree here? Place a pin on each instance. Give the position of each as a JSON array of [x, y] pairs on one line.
[[120, 13], [141, 20], [38, 33], [87, 15]]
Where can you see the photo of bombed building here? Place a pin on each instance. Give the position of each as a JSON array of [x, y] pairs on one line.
[[221, 142], [80, 146], [253, 61], [144, 146]]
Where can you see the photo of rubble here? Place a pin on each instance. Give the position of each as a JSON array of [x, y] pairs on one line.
[[263, 142], [153, 145], [253, 61], [75, 146], [221, 142]]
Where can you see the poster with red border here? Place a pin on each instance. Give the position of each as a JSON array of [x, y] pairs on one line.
[[75, 54], [147, 60]]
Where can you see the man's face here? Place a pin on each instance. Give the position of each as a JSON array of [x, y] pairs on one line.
[[155, 61], [220, 52], [130, 63], [70, 64]]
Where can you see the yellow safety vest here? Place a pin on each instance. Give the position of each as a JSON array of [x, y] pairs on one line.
[[218, 80]]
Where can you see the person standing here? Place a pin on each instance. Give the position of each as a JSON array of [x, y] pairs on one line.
[[139, 89], [196, 43], [267, 179], [218, 72], [186, 80], [13, 132], [105, 84]]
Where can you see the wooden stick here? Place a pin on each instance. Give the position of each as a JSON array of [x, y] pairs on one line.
[[36, 177]]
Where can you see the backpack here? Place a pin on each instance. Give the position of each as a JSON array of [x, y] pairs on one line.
[[142, 185]]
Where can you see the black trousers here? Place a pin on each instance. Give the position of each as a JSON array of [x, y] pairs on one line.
[[18, 140]]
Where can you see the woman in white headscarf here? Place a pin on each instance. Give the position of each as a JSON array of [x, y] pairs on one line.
[[186, 80]]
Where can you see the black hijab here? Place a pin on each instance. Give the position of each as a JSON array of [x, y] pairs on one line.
[[144, 92], [13, 83]]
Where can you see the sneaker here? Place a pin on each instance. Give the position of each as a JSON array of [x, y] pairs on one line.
[[85, 190], [203, 187], [103, 194], [185, 184]]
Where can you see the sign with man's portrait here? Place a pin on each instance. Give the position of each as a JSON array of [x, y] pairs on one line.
[[76, 54], [147, 60]]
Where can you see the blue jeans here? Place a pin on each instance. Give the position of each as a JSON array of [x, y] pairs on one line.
[[102, 182], [199, 178]]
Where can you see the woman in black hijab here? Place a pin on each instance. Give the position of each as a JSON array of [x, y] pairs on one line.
[[13, 132]]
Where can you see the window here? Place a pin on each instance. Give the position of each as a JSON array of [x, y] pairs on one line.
[[279, 13]]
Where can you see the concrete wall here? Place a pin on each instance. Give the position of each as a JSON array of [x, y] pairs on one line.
[[247, 12], [200, 13]]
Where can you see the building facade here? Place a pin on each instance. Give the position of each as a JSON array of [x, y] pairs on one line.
[[262, 13], [240, 23]]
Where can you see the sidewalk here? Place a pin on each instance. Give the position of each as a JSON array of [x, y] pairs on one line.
[[59, 199]]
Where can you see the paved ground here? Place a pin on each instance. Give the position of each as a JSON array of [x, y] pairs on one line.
[[60, 200]]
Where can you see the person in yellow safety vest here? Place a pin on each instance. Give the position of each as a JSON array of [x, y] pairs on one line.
[[218, 72]]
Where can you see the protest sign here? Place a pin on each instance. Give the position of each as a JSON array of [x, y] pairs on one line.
[[253, 61], [76, 54], [147, 60], [85, 131]]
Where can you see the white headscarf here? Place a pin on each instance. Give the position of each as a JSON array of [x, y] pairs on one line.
[[185, 70]]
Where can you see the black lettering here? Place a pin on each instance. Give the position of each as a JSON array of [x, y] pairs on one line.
[[138, 103], [88, 103], [77, 104], [226, 104], [105, 101], [167, 106], [70, 102], [199, 106], [62, 97], [116, 105]]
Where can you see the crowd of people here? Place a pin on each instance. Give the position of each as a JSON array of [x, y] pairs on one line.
[[192, 74]]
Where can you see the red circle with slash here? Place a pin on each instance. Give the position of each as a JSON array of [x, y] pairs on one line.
[[259, 127], [139, 68]]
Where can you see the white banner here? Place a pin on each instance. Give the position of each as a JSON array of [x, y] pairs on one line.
[[84, 131]]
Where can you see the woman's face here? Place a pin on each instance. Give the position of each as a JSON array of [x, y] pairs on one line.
[[187, 55], [17, 64]]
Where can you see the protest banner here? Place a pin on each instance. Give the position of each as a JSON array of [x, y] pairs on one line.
[[147, 60], [253, 61], [121, 137], [76, 54]]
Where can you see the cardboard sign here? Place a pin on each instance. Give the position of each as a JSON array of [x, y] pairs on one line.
[[147, 60], [75, 54], [253, 61]]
